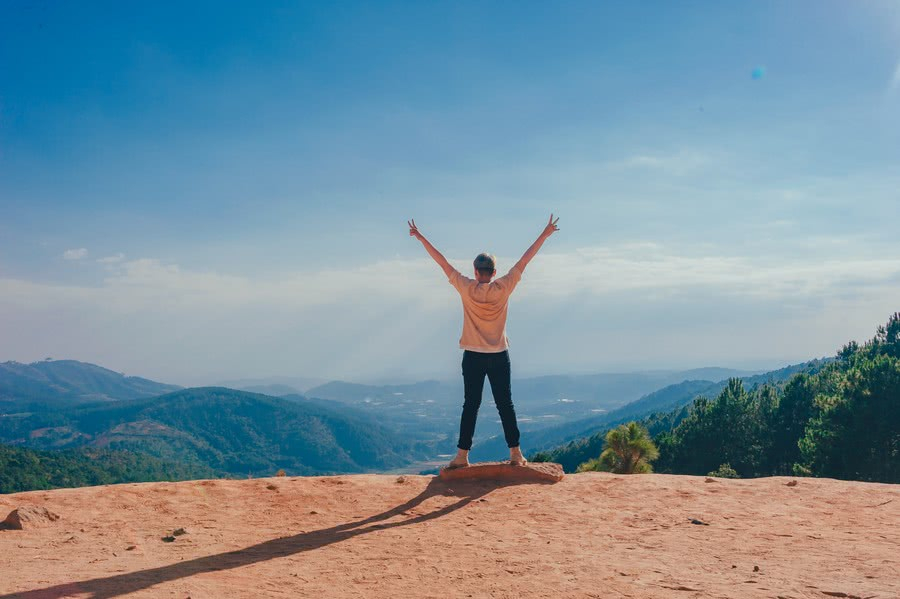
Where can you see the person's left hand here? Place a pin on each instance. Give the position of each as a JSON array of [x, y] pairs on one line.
[[551, 227], [414, 230]]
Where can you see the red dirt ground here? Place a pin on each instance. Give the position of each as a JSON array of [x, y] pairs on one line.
[[590, 535]]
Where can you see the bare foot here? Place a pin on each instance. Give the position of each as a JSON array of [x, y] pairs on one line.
[[460, 461], [516, 458]]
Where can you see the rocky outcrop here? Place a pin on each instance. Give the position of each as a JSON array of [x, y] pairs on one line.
[[532, 471], [28, 516]]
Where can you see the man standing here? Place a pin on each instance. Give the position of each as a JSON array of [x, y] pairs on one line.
[[484, 340]]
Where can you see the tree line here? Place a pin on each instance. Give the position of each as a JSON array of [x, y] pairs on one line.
[[842, 421], [24, 469]]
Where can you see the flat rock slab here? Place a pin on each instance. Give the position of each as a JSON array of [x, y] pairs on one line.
[[28, 516], [536, 471]]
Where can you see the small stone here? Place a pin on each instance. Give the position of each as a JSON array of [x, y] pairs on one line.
[[709, 480], [131, 548], [271, 487], [756, 568], [178, 532], [793, 483], [695, 521], [733, 566], [314, 512], [168, 539]]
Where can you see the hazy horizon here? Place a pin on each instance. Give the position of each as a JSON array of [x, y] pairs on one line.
[[198, 193], [301, 382]]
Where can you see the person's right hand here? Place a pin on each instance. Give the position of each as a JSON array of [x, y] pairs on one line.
[[551, 227], [413, 230]]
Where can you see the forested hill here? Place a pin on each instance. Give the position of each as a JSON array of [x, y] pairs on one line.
[[841, 420], [28, 469], [222, 429], [66, 382], [667, 398]]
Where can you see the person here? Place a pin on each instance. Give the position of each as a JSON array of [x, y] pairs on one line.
[[484, 340]]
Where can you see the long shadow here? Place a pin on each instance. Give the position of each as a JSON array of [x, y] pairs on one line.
[[121, 584]]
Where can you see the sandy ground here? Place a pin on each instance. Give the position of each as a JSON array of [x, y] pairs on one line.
[[591, 535]]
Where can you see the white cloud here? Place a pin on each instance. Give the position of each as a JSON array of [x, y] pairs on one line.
[[587, 309], [115, 259], [75, 254], [895, 80], [680, 163], [650, 267]]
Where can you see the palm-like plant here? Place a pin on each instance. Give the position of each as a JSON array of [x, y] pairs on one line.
[[629, 450]]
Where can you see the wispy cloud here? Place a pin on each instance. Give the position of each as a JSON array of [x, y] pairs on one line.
[[368, 320], [895, 79], [75, 254], [652, 268], [115, 259], [680, 163]]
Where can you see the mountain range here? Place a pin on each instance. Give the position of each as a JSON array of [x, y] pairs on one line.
[[336, 427], [54, 383], [668, 398], [230, 431]]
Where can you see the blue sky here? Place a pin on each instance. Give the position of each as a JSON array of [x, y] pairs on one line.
[[221, 190]]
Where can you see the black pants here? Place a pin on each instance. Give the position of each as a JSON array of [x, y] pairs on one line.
[[475, 366]]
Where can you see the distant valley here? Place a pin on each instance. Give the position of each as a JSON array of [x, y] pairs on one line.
[[335, 427]]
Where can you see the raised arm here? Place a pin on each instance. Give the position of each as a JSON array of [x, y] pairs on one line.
[[530, 253], [432, 251]]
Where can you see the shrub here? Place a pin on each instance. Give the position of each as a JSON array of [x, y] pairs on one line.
[[724, 471]]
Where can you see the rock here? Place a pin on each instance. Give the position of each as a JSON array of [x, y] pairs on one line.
[[695, 521], [131, 548], [28, 516], [793, 483], [756, 568], [178, 532], [532, 471], [709, 480], [168, 539], [271, 487]]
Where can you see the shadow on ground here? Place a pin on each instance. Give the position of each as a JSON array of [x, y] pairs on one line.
[[122, 584]]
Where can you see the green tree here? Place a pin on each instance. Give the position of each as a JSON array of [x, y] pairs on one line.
[[724, 471], [857, 432], [629, 450], [795, 408]]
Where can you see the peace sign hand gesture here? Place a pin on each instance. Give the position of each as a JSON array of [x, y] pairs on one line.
[[414, 230], [551, 227]]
